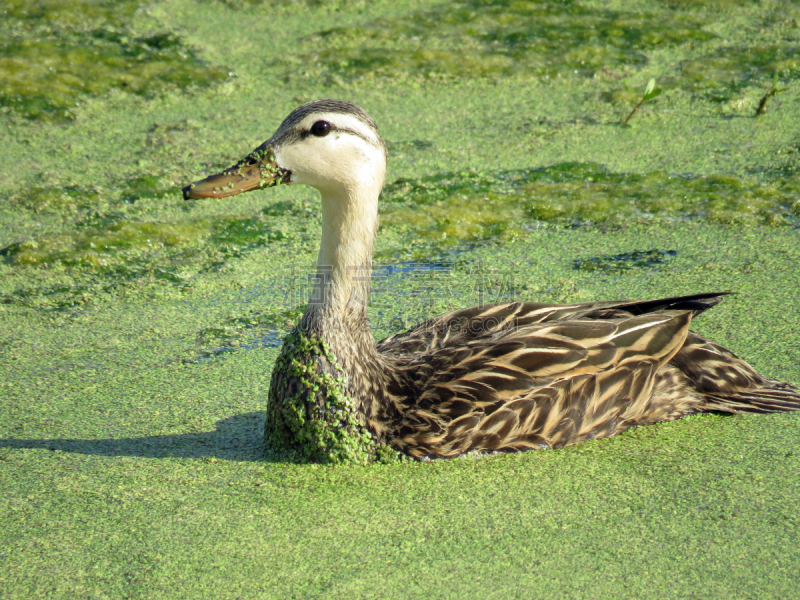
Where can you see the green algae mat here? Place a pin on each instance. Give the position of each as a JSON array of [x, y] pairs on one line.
[[138, 330]]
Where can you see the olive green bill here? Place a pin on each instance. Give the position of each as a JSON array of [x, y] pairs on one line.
[[257, 171]]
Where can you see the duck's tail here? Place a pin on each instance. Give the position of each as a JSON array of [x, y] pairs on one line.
[[728, 384], [774, 396]]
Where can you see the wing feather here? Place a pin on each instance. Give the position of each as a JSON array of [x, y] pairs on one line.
[[543, 384], [519, 376]]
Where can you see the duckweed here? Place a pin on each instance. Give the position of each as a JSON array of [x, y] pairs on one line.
[[52, 198], [146, 186], [113, 253], [99, 247], [115, 238], [94, 200], [439, 212], [54, 54], [468, 206], [727, 71], [480, 38], [278, 3], [319, 422], [252, 329]]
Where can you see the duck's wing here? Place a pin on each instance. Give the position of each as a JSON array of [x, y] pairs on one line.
[[468, 324], [541, 385], [490, 321]]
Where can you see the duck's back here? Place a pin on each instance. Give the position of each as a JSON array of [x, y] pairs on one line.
[[508, 377]]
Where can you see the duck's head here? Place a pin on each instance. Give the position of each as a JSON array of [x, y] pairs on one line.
[[332, 145]]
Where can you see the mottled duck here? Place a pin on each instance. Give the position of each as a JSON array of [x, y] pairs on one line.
[[499, 377]]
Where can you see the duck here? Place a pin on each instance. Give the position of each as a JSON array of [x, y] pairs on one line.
[[502, 377]]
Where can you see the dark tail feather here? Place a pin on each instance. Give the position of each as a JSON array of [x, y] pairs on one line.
[[774, 397], [696, 303]]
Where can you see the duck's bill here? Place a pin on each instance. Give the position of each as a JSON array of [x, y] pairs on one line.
[[257, 171]]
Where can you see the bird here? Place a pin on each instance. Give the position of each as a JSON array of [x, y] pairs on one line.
[[502, 377]]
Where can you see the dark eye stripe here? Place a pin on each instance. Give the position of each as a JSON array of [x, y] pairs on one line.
[[288, 132], [309, 132], [357, 134], [295, 135]]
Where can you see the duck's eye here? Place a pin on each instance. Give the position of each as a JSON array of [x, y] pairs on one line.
[[320, 128]]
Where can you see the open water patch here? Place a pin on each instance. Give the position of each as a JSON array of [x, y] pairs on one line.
[[626, 261], [403, 294]]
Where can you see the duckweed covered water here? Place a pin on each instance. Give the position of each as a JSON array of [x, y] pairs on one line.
[[74, 199], [135, 372], [452, 208], [441, 212], [105, 258], [496, 38], [726, 72], [53, 55], [500, 38]]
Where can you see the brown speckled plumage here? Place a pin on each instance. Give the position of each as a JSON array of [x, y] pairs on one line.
[[512, 377], [503, 377]]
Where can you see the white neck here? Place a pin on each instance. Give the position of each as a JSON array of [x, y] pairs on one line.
[[344, 265], [348, 167]]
